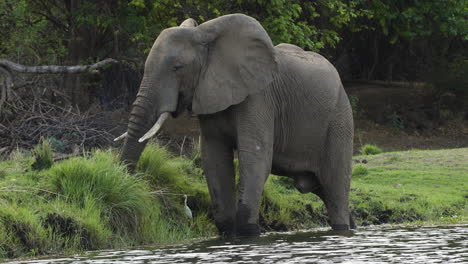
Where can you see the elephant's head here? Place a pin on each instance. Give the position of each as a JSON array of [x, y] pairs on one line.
[[204, 69]]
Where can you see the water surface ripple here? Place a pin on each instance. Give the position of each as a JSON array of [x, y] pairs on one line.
[[378, 244]]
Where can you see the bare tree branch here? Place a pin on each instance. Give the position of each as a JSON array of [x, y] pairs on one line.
[[9, 65]]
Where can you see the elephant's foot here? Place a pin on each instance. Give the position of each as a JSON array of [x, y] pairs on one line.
[[248, 230], [340, 227], [244, 227], [226, 228], [351, 225]]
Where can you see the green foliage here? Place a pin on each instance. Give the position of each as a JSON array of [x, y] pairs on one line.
[[59, 32], [43, 155], [413, 19], [369, 149], [45, 29], [359, 171]]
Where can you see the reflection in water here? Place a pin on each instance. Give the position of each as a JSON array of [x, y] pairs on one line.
[[382, 244]]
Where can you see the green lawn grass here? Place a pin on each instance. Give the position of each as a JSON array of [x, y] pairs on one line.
[[91, 202], [412, 186]]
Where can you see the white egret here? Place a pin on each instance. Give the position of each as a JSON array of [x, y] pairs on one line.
[[188, 212]]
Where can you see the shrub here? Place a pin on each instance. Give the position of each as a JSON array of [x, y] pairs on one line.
[[43, 156], [369, 149], [360, 170]]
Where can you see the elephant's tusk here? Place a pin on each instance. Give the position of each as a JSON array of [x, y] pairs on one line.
[[155, 128], [124, 135]]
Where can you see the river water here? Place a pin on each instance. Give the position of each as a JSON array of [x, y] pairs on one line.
[[377, 244]]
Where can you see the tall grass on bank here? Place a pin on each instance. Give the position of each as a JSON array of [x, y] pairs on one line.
[[92, 202], [125, 201], [171, 178]]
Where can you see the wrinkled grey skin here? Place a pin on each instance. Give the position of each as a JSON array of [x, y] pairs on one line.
[[283, 109]]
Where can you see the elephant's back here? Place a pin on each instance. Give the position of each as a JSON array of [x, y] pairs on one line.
[[307, 82], [309, 74]]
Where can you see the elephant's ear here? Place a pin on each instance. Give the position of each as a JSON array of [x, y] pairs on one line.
[[189, 22], [240, 61]]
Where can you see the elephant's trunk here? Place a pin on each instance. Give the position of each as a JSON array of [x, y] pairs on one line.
[[141, 118], [139, 123]]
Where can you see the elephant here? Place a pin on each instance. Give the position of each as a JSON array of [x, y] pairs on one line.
[[282, 109]]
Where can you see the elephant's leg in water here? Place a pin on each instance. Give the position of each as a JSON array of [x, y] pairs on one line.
[[219, 171], [335, 175], [255, 157]]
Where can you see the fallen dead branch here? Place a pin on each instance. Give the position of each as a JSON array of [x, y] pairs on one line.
[[11, 66], [8, 67]]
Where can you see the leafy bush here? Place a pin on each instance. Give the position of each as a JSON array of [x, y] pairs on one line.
[[369, 149]]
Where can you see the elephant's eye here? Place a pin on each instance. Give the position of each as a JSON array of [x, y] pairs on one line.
[[177, 67]]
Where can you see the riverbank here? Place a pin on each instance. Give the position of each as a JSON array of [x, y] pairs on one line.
[[91, 202]]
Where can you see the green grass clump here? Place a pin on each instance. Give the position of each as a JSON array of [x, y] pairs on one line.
[[369, 149], [124, 200], [359, 171], [43, 156]]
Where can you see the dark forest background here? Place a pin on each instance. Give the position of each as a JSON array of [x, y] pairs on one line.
[[424, 43]]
